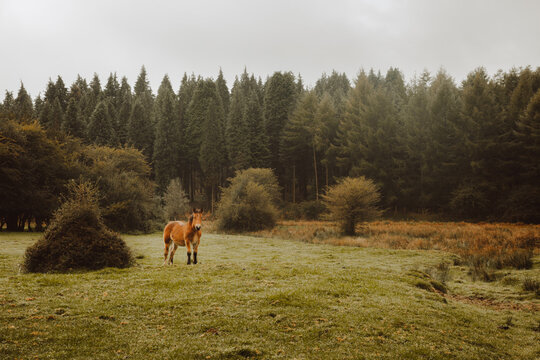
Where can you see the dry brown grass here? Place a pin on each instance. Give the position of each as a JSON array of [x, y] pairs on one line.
[[482, 246]]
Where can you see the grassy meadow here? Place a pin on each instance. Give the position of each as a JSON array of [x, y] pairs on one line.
[[263, 297]]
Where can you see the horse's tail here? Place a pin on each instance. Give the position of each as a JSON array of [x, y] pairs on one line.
[[167, 233]]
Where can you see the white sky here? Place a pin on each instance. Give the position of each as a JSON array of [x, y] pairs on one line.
[[45, 38]]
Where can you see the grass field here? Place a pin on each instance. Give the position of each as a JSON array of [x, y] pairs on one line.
[[255, 297]]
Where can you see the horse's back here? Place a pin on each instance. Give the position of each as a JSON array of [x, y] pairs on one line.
[[174, 228]]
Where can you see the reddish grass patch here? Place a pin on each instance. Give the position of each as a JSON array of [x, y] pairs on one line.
[[481, 246]]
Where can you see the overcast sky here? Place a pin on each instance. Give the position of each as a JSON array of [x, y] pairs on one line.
[[45, 38]]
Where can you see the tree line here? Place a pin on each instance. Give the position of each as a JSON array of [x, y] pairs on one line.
[[468, 150]]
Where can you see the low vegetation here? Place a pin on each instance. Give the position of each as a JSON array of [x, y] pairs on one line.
[[265, 299], [249, 202], [77, 238], [483, 247], [351, 201]]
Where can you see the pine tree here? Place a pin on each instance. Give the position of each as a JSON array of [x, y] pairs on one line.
[[212, 151], [56, 117], [279, 101], [237, 133], [100, 129], [143, 136], [23, 107], [168, 138], [257, 140], [298, 144], [327, 120], [7, 110], [223, 92], [73, 123], [61, 93], [140, 129], [124, 111]]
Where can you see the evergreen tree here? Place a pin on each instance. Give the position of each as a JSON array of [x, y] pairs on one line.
[[298, 145], [257, 140], [279, 101], [140, 129], [56, 117], [168, 137], [478, 114], [23, 107], [223, 92], [73, 123], [327, 120], [100, 128], [7, 110], [61, 93], [144, 136], [237, 133], [212, 151], [124, 112]]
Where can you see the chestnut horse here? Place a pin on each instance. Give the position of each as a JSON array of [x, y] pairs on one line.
[[182, 234]]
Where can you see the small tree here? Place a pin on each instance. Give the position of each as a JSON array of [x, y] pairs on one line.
[[352, 200], [249, 203], [176, 201]]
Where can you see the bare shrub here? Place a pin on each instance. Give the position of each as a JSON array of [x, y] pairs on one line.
[[352, 200], [77, 238], [176, 202]]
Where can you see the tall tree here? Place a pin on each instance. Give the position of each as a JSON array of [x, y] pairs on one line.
[[24, 109], [212, 151], [100, 128], [237, 133], [298, 144], [73, 123], [279, 101], [223, 92], [142, 116], [168, 138], [124, 111]]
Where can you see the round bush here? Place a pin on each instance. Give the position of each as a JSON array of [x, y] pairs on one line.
[[352, 200], [77, 238], [249, 203]]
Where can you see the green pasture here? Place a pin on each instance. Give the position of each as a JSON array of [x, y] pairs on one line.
[[263, 298]]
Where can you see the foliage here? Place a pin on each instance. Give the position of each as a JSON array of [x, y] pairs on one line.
[[122, 177], [176, 203], [33, 171], [352, 200], [249, 202], [77, 238], [457, 151]]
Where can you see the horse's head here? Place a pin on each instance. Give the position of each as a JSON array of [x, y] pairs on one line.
[[195, 219]]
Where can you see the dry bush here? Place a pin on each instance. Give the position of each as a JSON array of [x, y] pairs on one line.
[[77, 238], [352, 200]]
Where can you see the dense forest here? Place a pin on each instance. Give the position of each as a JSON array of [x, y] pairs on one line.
[[467, 151]]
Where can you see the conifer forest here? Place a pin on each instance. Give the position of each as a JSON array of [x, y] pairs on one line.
[[465, 151]]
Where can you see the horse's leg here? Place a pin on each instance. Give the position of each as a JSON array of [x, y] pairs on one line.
[[171, 258], [166, 251], [188, 247], [195, 249]]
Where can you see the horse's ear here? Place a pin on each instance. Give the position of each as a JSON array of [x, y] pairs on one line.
[[193, 210]]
